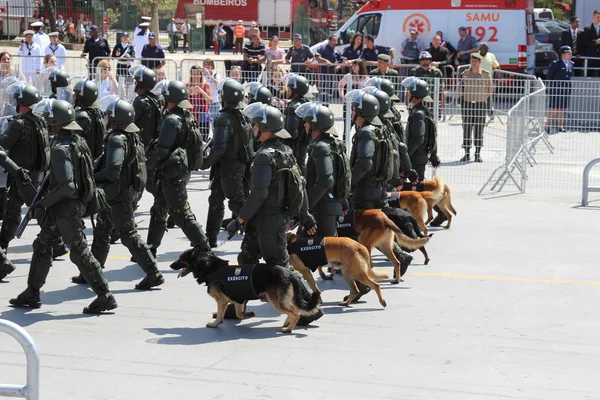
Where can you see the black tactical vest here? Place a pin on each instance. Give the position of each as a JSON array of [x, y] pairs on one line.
[[345, 227], [311, 251], [236, 281]]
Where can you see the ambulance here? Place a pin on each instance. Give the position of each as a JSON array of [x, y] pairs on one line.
[[506, 25]]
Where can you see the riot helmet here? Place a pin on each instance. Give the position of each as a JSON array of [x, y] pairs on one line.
[[268, 118], [119, 112], [296, 84], [23, 94], [318, 116], [384, 101], [364, 105], [85, 91], [59, 78], [383, 84], [258, 93], [173, 92], [231, 93], [144, 77], [57, 113], [417, 88]]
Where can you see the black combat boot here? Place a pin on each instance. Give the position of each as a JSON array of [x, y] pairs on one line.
[[104, 302], [478, 154], [59, 250], [467, 156], [362, 290], [30, 298], [150, 281], [6, 269], [439, 219]]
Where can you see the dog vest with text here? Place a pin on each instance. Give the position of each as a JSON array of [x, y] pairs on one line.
[[345, 227], [311, 251], [394, 203], [236, 281]]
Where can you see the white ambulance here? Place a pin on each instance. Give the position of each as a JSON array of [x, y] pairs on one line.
[[506, 25]]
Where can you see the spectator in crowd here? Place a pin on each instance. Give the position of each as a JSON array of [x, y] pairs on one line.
[[253, 31], [107, 84], [221, 35], [31, 61], [238, 33], [172, 31], [81, 28], [371, 51], [96, 47], [125, 52], [215, 38], [185, 31], [275, 87], [140, 39], [571, 37], [71, 31], [354, 50], [200, 95], [328, 55], [467, 45], [383, 67], [488, 60], [50, 61], [299, 55], [6, 68], [476, 87], [236, 73], [559, 89], [254, 56], [447, 45], [275, 55], [412, 47], [213, 79], [153, 55], [357, 76], [590, 44], [440, 56], [60, 22], [56, 49]]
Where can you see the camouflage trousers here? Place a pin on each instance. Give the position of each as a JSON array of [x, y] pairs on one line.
[[265, 235], [6, 267], [65, 219], [120, 217], [170, 195], [226, 183]]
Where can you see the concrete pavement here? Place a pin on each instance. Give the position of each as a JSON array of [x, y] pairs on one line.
[[505, 309]]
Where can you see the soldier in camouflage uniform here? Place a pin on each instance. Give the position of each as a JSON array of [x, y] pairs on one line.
[[65, 203], [229, 158], [168, 158], [27, 141], [297, 89], [121, 172]]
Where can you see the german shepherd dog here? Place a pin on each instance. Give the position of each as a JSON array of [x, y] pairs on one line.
[[273, 283], [408, 225], [445, 205], [375, 229], [417, 203], [344, 254]]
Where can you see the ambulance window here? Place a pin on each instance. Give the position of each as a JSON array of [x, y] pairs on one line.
[[366, 24]]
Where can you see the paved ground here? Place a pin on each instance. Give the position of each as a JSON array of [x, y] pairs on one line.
[[506, 309]]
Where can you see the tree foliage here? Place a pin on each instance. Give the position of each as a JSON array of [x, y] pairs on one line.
[[152, 7], [113, 16]]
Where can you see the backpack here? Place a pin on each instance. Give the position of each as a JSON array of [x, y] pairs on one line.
[[244, 140], [83, 171], [194, 145], [397, 123], [383, 159], [42, 141], [158, 111], [136, 165], [291, 190], [430, 141], [392, 138], [342, 171], [98, 132]]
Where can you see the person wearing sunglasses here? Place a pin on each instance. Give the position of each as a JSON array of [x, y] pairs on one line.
[[31, 63], [105, 80]]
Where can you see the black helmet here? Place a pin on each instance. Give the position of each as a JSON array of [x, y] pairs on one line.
[[425, 55], [119, 112], [23, 94], [318, 116], [60, 78], [297, 84], [173, 92], [417, 88], [144, 77], [383, 84], [57, 113], [232, 92], [258, 93], [364, 105], [268, 118], [86, 91], [383, 99]]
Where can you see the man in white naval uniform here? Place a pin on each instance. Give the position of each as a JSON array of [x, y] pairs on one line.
[[138, 29], [141, 38], [40, 37], [57, 49], [31, 63]]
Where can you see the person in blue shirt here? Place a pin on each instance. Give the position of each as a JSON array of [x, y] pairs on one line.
[[328, 55], [371, 51], [153, 51], [354, 50], [559, 89]]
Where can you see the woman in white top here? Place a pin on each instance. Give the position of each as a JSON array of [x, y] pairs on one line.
[[274, 54], [57, 49], [107, 83], [213, 80], [356, 77]]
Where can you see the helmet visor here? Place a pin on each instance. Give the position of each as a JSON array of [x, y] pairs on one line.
[[222, 84], [355, 96], [161, 88], [252, 88], [108, 104], [308, 111], [137, 70], [64, 93], [45, 74], [43, 108], [256, 110], [74, 80], [409, 82], [289, 80]]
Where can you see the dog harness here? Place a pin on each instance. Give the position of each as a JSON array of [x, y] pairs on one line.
[[393, 203], [311, 251], [345, 227], [236, 282]]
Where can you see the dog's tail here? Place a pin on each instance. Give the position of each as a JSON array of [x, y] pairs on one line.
[[415, 226], [306, 308], [375, 276], [448, 197], [404, 240]]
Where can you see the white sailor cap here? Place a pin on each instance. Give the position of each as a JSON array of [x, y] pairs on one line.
[[28, 32], [147, 18], [53, 34], [145, 24], [37, 23]]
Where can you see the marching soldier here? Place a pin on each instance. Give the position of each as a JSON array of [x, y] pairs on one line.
[[229, 158], [59, 83], [70, 189], [297, 90], [169, 158], [148, 106], [88, 116]]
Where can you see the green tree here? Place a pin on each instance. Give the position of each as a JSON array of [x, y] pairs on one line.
[[113, 16], [154, 6]]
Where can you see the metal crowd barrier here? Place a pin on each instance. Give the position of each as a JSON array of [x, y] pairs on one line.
[[31, 391], [72, 65], [586, 182], [587, 68]]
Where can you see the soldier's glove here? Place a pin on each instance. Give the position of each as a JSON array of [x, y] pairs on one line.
[[412, 175], [37, 211], [435, 161], [24, 176], [309, 225], [233, 227], [345, 205]]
